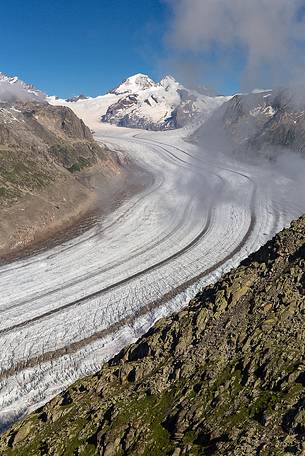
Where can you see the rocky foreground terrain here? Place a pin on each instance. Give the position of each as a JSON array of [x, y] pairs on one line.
[[45, 151], [225, 376]]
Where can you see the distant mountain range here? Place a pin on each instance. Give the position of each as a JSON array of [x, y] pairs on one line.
[[259, 123], [140, 102], [162, 105]]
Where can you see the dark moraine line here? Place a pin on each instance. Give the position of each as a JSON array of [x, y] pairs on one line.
[[101, 270], [79, 279], [128, 320], [98, 293], [117, 284]]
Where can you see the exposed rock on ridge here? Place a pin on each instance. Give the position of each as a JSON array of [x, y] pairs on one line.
[[77, 98], [225, 376]]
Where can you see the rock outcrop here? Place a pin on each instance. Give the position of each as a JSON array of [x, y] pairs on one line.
[[225, 376], [77, 98]]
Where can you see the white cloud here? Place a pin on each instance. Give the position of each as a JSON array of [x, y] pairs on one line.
[[270, 33]]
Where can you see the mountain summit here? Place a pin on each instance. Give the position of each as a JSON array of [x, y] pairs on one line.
[[134, 83]]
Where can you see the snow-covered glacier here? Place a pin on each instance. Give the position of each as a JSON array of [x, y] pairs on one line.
[[66, 310]]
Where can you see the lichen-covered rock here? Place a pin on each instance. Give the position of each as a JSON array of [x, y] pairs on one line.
[[226, 376]]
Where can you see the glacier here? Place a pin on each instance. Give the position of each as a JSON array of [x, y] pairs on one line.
[[66, 310]]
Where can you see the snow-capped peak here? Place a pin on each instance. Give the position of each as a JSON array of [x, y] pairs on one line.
[[144, 103], [141, 102], [14, 89], [134, 83]]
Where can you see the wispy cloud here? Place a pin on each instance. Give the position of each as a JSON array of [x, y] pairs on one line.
[[269, 35]]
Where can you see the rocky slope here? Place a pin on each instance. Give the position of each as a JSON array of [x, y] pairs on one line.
[[224, 376], [43, 152], [264, 123], [140, 102]]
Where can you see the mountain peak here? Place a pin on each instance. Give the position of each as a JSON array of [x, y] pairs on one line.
[[134, 83], [139, 77], [6, 78], [141, 102]]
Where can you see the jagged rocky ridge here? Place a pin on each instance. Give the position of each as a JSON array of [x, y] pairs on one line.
[[264, 123], [226, 375]]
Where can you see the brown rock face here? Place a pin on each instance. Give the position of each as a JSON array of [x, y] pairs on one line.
[[225, 376], [43, 151]]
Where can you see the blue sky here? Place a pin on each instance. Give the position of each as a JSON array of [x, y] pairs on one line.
[[67, 47]]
